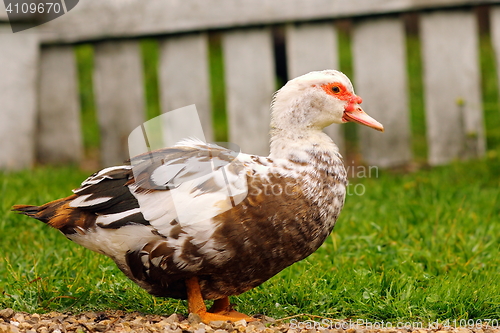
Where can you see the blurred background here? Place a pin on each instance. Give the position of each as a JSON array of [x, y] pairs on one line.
[[420, 245], [74, 88]]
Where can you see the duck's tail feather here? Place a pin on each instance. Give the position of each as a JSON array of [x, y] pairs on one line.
[[49, 213], [28, 210], [42, 213]]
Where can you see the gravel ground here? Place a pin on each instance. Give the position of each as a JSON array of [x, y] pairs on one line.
[[118, 321]]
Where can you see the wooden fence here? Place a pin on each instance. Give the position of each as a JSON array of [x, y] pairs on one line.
[[39, 102]]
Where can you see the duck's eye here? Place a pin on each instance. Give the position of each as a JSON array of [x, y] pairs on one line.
[[336, 89]]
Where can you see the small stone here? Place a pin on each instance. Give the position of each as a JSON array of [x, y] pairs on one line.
[[228, 327], [173, 319], [6, 313], [194, 327], [259, 326], [155, 318], [14, 329], [184, 325], [241, 322], [462, 330], [177, 330], [83, 319], [91, 315], [54, 328], [162, 323], [138, 321], [101, 327], [25, 325], [19, 317], [194, 318], [250, 329], [285, 327], [70, 327], [217, 324]]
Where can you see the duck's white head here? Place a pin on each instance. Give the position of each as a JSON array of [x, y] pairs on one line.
[[316, 100]]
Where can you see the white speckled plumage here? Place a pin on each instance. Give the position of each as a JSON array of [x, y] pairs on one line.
[[200, 210]]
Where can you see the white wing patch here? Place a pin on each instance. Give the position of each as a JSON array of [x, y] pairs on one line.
[[107, 219], [155, 206], [164, 175], [194, 203], [192, 191], [81, 201], [201, 184], [115, 243]]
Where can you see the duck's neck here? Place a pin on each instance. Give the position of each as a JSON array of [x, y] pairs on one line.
[[301, 146], [316, 159]]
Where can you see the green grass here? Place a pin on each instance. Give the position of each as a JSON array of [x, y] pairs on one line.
[[420, 246]]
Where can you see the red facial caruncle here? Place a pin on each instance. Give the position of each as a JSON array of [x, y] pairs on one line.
[[353, 102], [352, 111], [338, 90]]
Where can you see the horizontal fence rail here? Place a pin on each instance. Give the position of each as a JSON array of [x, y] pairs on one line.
[[135, 18], [39, 80]]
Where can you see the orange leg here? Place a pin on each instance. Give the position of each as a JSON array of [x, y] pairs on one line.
[[221, 310], [220, 305]]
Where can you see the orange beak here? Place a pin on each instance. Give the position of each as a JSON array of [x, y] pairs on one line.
[[353, 112]]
